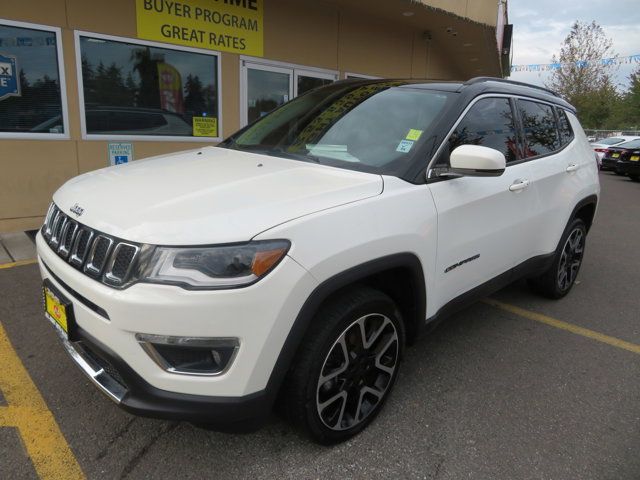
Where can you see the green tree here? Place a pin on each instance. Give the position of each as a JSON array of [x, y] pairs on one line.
[[631, 102], [194, 96], [583, 78], [147, 68]]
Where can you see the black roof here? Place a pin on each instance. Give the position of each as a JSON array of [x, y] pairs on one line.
[[481, 85]]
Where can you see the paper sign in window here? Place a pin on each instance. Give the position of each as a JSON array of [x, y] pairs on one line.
[[205, 127]]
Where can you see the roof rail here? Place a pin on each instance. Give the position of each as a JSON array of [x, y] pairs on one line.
[[475, 80]]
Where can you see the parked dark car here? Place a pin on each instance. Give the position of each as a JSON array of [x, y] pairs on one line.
[[624, 159]]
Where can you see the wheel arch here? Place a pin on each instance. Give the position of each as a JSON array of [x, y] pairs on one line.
[[404, 268], [585, 210]]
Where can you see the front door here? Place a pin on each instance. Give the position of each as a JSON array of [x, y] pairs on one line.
[[483, 222]]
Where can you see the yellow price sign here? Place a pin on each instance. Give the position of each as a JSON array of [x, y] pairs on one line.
[[205, 126], [229, 25]]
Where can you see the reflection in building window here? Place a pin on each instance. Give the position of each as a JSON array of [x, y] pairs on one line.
[[265, 92], [135, 89], [30, 99], [306, 83]]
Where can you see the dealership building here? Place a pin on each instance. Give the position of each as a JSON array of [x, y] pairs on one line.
[[85, 83]]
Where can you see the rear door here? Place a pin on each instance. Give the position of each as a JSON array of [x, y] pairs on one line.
[[557, 169], [484, 224]]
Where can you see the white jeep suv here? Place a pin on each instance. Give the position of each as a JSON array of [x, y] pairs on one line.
[[292, 263]]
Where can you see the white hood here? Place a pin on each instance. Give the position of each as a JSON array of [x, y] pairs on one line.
[[208, 196]]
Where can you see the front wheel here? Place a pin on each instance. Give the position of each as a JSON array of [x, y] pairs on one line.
[[635, 178], [346, 366], [558, 280]]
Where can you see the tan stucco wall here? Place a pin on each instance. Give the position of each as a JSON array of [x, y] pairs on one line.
[[309, 33], [482, 11]]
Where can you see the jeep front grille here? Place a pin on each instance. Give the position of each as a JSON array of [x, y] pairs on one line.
[[105, 258]]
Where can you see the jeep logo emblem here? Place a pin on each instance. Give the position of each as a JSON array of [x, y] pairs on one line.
[[77, 209]]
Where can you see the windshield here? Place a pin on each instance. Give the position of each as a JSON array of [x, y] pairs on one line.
[[374, 127], [631, 144], [611, 141]]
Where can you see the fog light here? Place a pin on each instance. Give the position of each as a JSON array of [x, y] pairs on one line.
[[190, 355]]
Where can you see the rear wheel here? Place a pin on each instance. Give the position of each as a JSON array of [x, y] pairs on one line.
[[558, 280], [635, 178], [346, 366]]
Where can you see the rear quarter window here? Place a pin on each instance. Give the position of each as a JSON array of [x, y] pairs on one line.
[[564, 127]]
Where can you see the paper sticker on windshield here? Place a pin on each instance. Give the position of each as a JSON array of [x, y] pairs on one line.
[[404, 146], [413, 134]]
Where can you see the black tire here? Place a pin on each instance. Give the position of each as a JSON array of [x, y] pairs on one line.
[[618, 172], [568, 259], [635, 178], [340, 406]]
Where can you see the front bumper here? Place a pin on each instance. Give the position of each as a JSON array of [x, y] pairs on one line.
[[260, 316], [119, 382]]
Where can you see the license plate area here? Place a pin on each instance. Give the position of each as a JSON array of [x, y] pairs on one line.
[[58, 309]]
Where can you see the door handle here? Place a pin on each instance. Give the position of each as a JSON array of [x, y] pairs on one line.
[[572, 168], [519, 185]]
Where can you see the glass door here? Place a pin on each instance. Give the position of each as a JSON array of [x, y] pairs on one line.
[[306, 80], [266, 88]]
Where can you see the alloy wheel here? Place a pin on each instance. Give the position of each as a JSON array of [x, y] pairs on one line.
[[357, 372], [571, 259]]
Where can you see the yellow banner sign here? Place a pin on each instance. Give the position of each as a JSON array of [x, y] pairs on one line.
[[205, 127], [228, 25]]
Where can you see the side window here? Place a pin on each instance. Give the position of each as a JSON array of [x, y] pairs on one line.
[[566, 134], [488, 123], [540, 131]]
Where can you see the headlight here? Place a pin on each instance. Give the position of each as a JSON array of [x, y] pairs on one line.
[[224, 266]]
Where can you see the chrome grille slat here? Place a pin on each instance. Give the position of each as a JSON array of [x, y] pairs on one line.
[[81, 246], [104, 258], [98, 256], [58, 227], [122, 260], [66, 238], [46, 230]]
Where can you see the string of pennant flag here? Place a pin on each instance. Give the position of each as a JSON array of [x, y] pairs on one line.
[[546, 67]]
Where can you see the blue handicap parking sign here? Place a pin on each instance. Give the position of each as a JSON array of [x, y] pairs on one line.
[[9, 85], [121, 159]]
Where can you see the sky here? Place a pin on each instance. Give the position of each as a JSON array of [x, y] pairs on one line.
[[540, 26]]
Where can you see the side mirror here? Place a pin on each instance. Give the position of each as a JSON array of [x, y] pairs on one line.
[[477, 161]]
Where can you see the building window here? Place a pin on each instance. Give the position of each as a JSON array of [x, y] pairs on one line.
[[32, 89], [359, 76], [308, 80], [267, 85], [142, 89]]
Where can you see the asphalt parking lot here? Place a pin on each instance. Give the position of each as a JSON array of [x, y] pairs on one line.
[[493, 393]]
